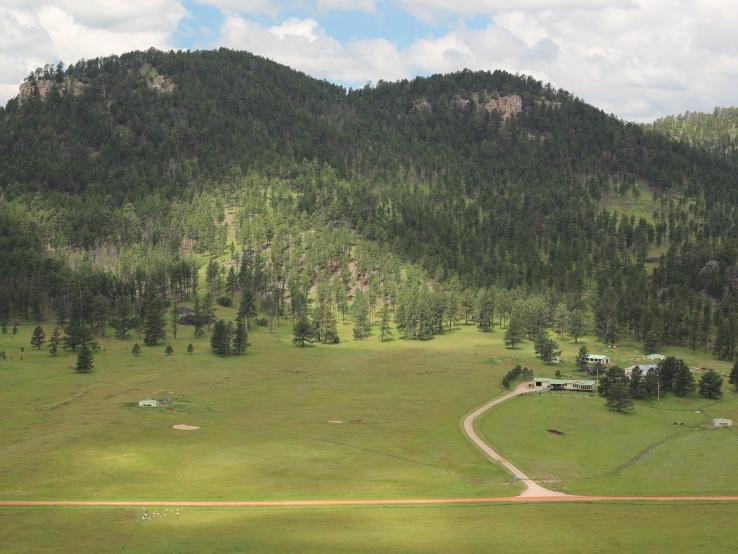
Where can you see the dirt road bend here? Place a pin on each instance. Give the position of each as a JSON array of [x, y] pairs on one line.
[[532, 489]]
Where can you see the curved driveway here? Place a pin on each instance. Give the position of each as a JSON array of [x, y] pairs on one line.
[[532, 489]]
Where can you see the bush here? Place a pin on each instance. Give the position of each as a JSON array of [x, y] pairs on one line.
[[225, 301], [262, 322], [517, 374]]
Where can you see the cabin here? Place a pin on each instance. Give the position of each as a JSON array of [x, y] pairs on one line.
[[656, 357], [597, 359], [148, 403], [577, 385], [645, 369]]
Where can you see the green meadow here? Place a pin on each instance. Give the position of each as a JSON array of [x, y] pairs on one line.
[[520, 528]]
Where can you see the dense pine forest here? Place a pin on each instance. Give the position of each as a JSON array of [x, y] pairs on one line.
[[716, 131], [480, 197]]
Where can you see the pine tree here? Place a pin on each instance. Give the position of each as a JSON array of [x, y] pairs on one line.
[[38, 338], [581, 362], [514, 331], [561, 318], [136, 350], [168, 350], [198, 318], [190, 349], [618, 398], [85, 361], [330, 330], [240, 336], [733, 379], [683, 380], [385, 329], [711, 384], [247, 307], [174, 315], [360, 312], [122, 317], [153, 320], [302, 332], [220, 340], [54, 342]]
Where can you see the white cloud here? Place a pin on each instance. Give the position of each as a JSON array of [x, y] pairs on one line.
[[304, 45], [34, 32]]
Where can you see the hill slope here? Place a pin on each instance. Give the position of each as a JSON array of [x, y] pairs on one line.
[[483, 178]]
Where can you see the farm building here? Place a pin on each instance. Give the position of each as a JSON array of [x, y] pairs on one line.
[[582, 385], [148, 403], [722, 422], [645, 369], [598, 359]]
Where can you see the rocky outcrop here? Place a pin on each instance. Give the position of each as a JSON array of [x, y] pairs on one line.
[[156, 82], [508, 106], [161, 84], [43, 87], [548, 104]]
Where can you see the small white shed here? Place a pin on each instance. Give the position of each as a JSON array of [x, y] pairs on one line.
[[722, 422], [148, 403]]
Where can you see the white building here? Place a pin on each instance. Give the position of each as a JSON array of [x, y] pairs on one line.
[[580, 385], [148, 403], [598, 359], [722, 422], [645, 369]]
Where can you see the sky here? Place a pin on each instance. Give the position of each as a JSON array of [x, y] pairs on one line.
[[638, 59]]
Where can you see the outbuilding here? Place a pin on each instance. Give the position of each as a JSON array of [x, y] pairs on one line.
[[148, 403], [578, 385], [598, 359], [645, 369], [722, 422]]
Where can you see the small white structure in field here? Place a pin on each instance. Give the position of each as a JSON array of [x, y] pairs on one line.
[[148, 403], [722, 422], [598, 359], [656, 357]]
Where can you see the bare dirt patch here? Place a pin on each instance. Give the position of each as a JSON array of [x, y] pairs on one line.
[[183, 427]]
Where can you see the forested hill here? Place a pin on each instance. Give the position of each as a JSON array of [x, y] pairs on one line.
[[156, 121], [481, 178], [716, 131]]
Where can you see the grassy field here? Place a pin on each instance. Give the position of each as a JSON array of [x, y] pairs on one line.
[[540, 529], [265, 420], [661, 448]]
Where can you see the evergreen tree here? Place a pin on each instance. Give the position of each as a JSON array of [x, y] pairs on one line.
[[168, 350], [85, 361], [329, 328], [174, 318], [136, 350], [247, 306], [153, 320], [733, 378], [683, 380], [240, 336], [122, 317], [618, 398], [385, 329], [711, 385], [581, 362], [514, 332], [302, 332], [636, 384], [54, 342], [360, 312], [190, 349], [561, 318], [198, 318], [38, 338], [220, 342]]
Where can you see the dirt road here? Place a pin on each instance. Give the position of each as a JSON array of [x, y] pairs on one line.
[[353, 502], [532, 489]]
